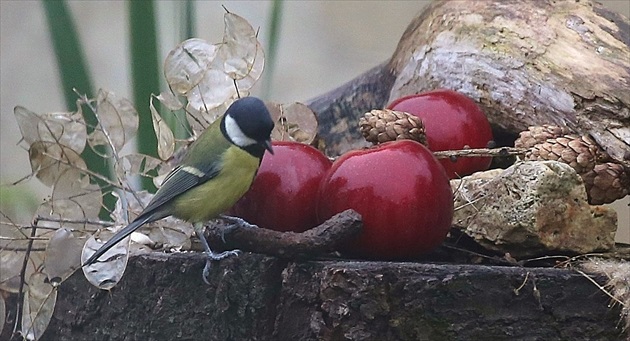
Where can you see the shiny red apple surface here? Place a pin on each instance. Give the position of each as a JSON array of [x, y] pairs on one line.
[[284, 193], [402, 194], [452, 121]]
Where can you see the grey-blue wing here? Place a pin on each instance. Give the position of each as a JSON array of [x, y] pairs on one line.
[[180, 180]]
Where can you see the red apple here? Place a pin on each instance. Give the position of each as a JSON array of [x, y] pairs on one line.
[[284, 193], [452, 121], [402, 193]]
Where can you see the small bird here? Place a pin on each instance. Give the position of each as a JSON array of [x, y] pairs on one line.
[[217, 170]]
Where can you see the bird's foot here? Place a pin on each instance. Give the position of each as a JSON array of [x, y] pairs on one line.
[[235, 222], [213, 256], [221, 255]]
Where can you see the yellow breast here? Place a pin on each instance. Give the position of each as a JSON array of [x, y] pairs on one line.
[[208, 200]]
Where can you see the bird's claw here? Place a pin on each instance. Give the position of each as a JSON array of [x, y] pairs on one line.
[[227, 230], [212, 256], [235, 222], [222, 255]]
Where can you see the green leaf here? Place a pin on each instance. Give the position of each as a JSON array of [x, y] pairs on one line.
[[273, 36], [144, 73], [189, 19], [69, 53], [74, 75]]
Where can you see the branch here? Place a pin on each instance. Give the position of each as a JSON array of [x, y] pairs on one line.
[[501, 152], [318, 240]]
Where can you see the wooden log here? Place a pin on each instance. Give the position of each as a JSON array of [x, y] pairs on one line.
[[525, 63], [255, 297]]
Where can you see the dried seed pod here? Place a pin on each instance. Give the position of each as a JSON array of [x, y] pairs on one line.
[[538, 134], [606, 182], [378, 126], [580, 152]]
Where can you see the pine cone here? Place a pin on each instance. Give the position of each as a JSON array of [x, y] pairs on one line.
[[580, 152], [606, 182], [539, 134], [378, 126]]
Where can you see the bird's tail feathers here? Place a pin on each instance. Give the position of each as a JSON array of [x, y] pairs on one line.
[[120, 235]]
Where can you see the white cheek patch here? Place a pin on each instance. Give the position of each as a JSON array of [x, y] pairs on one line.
[[236, 134]]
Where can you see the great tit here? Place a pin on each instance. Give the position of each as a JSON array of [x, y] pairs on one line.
[[217, 170]]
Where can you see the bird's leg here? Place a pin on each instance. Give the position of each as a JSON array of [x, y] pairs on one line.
[[211, 255], [235, 222]]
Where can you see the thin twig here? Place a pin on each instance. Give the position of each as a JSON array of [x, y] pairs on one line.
[[60, 220], [88, 103], [600, 287], [477, 152], [25, 238], [22, 179], [566, 259], [477, 254], [182, 124], [27, 255], [86, 171], [518, 290], [121, 182], [469, 203], [76, 221], [67, 163], [494, 152], [238, 94], [22, 249]]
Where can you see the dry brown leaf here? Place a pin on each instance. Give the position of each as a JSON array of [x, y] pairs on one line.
[[165, 137], [38, 307], [65, 128], [294, 122], [63, 255], [186, 64], [118, 123]]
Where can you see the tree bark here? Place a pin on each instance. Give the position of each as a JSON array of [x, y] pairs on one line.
[[255, 297], [525, 62]]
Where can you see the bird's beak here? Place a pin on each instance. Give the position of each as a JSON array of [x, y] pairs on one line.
[[267, 145]]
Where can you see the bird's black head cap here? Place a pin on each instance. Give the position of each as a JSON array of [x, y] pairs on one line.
[[254, 121]]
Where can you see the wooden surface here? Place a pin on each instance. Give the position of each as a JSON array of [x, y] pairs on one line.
[[254, 297]]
